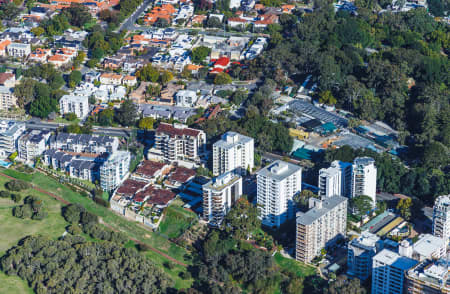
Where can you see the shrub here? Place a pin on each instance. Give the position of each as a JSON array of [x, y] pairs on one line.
[[5, 194], [185, 275], [101, 201], [72, 213], [16, 197], [17, 185], [23, 211], [74, 229], [143, 247], [168, 265], [39, 215]]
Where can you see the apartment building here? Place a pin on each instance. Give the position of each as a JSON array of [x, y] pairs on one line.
[[360, 253], [178, 142], [388, 272], [426, 247], [114, 170], [75, 104], [345, 170], [85, 169], [364, 178], [7, 98], [234, 152], [32, 144], [441, 217], [219, 195], [84, 143], [18, 50], [321, 226], [276, 186], [429, 276], [329, 182], [10, 132]]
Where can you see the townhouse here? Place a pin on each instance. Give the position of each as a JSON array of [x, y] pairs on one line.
[[83, 143]]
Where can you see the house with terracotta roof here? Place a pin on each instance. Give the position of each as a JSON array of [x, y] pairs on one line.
[[265, 20], [149, 170], [165, 11], [180, 177], [40, 55], [7, 79], [3, 45], [58, 60], [111, 79], [236, 22], [129, 81], [198, 19], [288, 8]]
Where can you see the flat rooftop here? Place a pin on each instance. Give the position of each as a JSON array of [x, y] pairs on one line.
[[279, 170], [393, 259], [315, 213]]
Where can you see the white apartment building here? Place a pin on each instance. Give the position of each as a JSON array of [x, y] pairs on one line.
[[234, 152], [345, 170], [7, 98], [360, 253], [178, 142], [219, 195], [18, 50], [75, 104], [321, 226], [388, 272], [10, 132], [441, 217], [427, 247], [114, 170], [32, 145], [276, 186], [364, 178], [329, 182], [186, 98]]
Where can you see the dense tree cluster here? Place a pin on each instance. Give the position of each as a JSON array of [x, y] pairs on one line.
[[101, 42], [32, 208], [386, 66], [17, 185], [74, 265]]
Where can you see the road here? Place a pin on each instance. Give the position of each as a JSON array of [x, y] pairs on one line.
[[115, 132], [128, 24]]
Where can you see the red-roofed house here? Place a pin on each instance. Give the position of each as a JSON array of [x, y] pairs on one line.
[[237, 22], [149, 170], [180, 177]]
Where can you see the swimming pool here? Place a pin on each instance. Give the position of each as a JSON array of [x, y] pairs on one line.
[[5, 163]]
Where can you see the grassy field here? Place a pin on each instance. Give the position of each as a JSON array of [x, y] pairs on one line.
[[132, 229], [13, 229], [176, 220], [293, 266]]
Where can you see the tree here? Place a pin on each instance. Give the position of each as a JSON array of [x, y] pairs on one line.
[[77, 14], [106, 117], [200, 53], [91, 63], [436, 155], [43, 106], [166, 77], [37, 31], [70, 116], [326, 97], [404, 207], [222, 79], [361, 205], [126, 115], [9, 11], [213, 22], [146, 123], [75, 78], [148, 73], [161, 23], [242, 219]]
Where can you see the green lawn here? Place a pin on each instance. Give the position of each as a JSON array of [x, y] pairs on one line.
[[291, 265], [13, 229], [176, 220], [132, 229]]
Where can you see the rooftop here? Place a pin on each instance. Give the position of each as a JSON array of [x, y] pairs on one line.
[[320, 210], [222, 181], [428, 244], [130, 187], [182, 174], [231, 139], [279, 170], [393, 259], [150, 168], [176, 130]]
